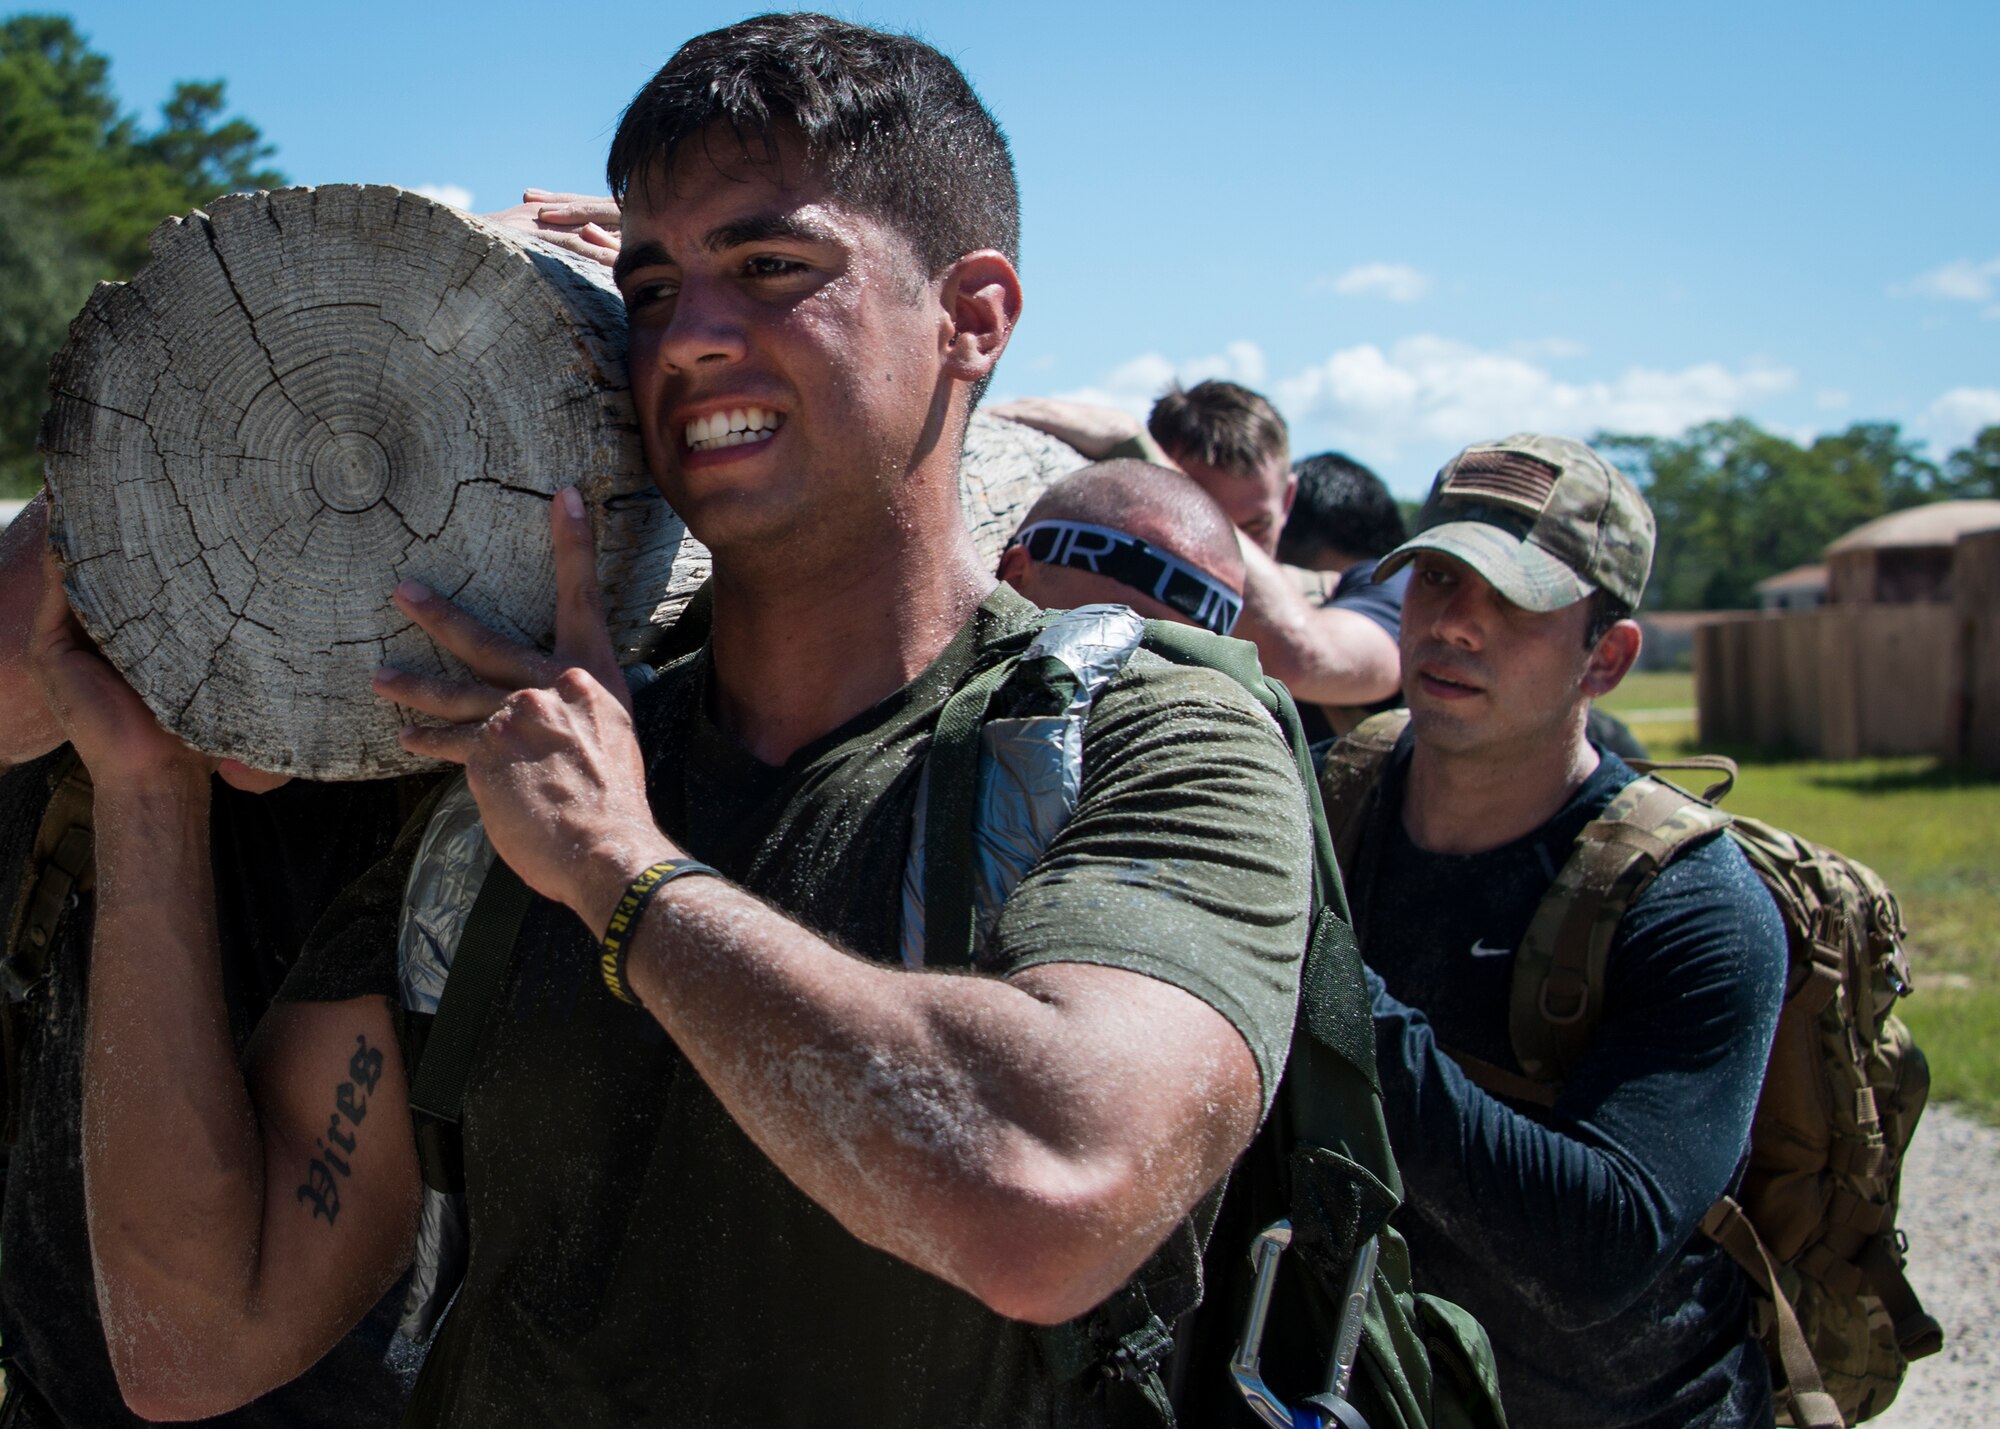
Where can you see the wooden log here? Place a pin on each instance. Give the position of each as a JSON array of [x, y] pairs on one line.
[[1007, 465], [309, 395]]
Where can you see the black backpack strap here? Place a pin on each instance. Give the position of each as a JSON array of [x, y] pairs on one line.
[[1128, 1340], [437, 1092]]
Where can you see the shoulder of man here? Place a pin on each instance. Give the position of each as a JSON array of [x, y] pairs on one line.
[[351, 950], [1711, 877], [1709, 908], [1151, 681]]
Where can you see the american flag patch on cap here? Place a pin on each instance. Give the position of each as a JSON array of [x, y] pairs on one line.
[[1506, 478]]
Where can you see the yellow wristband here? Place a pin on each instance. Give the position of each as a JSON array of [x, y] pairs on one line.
[[617, 938]]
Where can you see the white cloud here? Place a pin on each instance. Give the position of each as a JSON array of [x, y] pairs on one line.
[[1959, 281], [1135, 385], [1832, 400], [1396, 282], [1430, 391], [451, 195], [1954, 419]]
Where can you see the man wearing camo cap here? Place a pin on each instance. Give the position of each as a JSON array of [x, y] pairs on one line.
[[1564, 1212]]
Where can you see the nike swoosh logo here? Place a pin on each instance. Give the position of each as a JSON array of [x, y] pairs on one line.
[[1481, 949]]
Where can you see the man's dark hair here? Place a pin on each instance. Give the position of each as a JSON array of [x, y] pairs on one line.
[[1225, 425], [1342, 507], [891, 123], [1606, 610]]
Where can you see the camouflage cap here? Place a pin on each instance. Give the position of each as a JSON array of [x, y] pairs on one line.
[[1545, 520]]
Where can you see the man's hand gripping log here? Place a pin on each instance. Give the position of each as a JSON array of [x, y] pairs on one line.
[[545, 737]]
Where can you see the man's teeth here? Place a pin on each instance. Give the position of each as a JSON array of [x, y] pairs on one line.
[[732, 428]]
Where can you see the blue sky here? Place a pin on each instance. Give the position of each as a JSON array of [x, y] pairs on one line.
[[1414, 225]]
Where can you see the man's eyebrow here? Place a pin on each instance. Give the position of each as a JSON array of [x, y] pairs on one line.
[[763, 228], [643, 255]]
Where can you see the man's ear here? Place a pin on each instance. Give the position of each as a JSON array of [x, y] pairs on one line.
[[982, 302], [1014, 565], [1612, 658], [1291, 490]]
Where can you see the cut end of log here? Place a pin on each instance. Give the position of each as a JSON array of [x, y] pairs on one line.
[[307, 397]]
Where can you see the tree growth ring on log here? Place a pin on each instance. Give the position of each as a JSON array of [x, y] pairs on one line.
[[307, 396]]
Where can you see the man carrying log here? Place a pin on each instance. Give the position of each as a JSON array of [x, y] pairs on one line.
[[734, 1163], [277, 859]]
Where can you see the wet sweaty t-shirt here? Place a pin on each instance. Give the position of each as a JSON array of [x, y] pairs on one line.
[[635, 1258], [279, 861]]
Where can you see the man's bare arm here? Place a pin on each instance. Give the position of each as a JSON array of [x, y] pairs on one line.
[[237, 1230], [1323, 654], [27, 729], [1096, 432], [1030, 1140]]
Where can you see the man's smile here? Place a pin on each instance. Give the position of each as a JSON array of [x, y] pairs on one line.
[[738, 426]]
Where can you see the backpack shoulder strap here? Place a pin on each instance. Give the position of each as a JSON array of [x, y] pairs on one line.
[[1351, 775], [1558, 984], [437, 1091], [61, 864]]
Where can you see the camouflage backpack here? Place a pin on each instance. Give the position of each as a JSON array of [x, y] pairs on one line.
[[1814, 1223]]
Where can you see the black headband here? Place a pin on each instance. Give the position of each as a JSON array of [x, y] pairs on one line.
[[1130, 561]]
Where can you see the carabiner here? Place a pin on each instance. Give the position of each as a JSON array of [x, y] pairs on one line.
[[1328, 1410]]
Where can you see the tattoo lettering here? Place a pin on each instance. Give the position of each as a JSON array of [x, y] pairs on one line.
[[320, 1189], [365, 1066]]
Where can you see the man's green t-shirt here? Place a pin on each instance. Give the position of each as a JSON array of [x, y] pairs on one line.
[[635, 1258]]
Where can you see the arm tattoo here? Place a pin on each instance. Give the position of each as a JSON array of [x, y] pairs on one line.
[[321, 1189]]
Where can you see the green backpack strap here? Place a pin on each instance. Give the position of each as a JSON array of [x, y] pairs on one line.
[[437, 1092], [1558, 984], [953, 774], [1352, 774]]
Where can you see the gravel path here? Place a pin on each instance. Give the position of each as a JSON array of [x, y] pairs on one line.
[[1951, 1211]]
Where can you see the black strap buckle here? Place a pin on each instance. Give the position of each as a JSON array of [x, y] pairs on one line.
[[1139, 1353], [440, 1151]]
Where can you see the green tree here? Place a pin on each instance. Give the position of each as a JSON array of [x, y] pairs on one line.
[[1974, 469], [1736, 503], [1875, 462], [81, 185]]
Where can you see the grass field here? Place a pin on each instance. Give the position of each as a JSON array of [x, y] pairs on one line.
[[1932, 830]]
